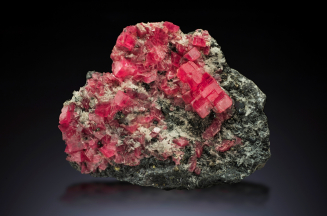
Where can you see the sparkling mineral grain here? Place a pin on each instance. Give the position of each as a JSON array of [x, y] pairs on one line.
[[172, 114]]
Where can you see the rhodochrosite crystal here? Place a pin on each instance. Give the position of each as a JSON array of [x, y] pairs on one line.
[[171, 114]]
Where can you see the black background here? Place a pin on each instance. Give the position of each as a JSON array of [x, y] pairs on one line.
[[47, 50]]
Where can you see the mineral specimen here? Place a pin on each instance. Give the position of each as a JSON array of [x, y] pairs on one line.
[[172, 114]]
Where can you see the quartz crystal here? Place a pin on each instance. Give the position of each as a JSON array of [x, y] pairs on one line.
[[171, 114]]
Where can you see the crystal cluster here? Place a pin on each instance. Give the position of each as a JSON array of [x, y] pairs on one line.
[[121, 117]]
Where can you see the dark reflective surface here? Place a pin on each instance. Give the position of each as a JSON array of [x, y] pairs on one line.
[[48, 51], [116, 195]]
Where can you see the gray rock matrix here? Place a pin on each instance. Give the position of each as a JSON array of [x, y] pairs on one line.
[[248, 122]]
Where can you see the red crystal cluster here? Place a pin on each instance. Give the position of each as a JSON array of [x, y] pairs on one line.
[[145, 53], [147, 48]]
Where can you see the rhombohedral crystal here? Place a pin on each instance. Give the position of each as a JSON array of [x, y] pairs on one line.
[[171, 114]]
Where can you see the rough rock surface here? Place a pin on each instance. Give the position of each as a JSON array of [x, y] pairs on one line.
[[217, 162]]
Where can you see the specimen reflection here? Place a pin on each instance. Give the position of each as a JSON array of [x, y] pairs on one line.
[[115, 194]]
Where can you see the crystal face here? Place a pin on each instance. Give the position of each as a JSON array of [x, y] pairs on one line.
[[161, 89]]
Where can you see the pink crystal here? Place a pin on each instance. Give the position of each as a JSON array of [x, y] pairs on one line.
[[122, 100], [222, 102], [187, 97], [171, 27], [197, 170], [192, 162], [209, 85], [131, 128], [123, 68], [103, 109], [150, 77], [212, 96], [202, 106], [227, 144], [103, 165], [74, 144], [181, 141], [193, 54], [206, 50], [66, 114], [212, 130], [108, 151], [175, 59], [198, 149], [199, 41], [126, 40]]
